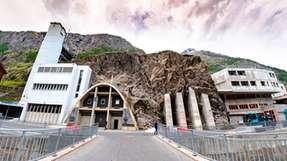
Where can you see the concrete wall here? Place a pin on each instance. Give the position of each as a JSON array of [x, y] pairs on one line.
[[193, 110], [168, 110], [180, 111], [207, 112], [66, 98], [223, 80], [52, 45], [39, 117]]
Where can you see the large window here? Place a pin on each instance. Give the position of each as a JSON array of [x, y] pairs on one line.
[[244, 83], [263, 83], [232, 72], [253, 83], [233, 107], [44, 108], [241, 73], [235, 83]]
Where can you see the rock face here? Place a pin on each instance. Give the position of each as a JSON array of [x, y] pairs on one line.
[[144, 79], [19, 41]]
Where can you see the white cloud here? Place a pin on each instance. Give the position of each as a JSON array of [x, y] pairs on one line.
[[254, 29]]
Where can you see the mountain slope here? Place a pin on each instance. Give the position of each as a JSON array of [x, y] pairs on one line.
[[18, 50], [218, 62]]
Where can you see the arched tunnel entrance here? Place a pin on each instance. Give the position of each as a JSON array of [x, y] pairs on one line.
[[105, 105]]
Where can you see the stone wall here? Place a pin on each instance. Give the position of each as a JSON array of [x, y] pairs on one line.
[[145, 79]]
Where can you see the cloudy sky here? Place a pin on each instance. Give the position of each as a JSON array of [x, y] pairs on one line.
[[254, 29]]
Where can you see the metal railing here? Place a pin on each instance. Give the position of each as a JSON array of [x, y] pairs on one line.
[[224, 147], [33, 144], [267, 125]]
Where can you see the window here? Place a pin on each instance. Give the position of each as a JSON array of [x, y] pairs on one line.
[[44, 108], [233, 107], [232, 72], [79, 81], [235, 83], [263, 83], [272, 75], [55, 69], [244, 83], [241, 72], [253, 106], [243, 106], [90, 101], [38, 86], [41, 69], [103, 101], [253, 83]]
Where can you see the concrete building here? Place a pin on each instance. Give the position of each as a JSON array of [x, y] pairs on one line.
[[52, 88], [2, 71], [247, 93], [282, 92]]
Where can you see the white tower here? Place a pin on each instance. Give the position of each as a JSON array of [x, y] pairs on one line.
[[49, 53]]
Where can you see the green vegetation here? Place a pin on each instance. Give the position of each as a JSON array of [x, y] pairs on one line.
[[12, 83], [281, 74], [30, 55], [3, 47], [231, 61], [8, 99], [102, 49], [212, 68], [18, 71]]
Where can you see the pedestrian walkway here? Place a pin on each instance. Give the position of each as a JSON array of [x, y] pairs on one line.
[[125, 146]]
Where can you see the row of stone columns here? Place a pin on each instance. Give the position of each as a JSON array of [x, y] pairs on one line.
[[193, 110]]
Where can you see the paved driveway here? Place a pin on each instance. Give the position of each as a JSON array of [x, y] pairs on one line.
[[125, 146]]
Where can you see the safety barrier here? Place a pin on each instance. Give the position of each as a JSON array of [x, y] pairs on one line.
[[32, 144], [230, 147]]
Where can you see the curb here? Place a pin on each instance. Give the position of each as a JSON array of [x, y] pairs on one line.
[[61, 153], [181, 149]]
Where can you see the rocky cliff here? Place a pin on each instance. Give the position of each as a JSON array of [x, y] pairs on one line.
[[144, 79], [27, 40]]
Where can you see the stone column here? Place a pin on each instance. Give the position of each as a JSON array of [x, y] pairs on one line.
[[180, 111], [193, 110], [168, 111], [207, 112], [108, 110], [95, 103]]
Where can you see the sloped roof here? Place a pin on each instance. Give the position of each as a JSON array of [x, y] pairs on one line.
[[2, 68]]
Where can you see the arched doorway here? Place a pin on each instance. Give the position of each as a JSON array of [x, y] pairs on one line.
[[105, 105]]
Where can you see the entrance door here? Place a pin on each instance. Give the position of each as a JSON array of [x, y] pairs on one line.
[[116, 124], [101, 118]]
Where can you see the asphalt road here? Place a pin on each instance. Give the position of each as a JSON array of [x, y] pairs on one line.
[[125, 146]]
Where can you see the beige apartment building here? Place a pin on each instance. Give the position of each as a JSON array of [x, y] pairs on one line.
[[247, 93]]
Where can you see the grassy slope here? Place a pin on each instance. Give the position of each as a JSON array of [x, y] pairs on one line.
[[18, 65], [217, 62]]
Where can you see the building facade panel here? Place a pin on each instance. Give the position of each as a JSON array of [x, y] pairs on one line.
[[247, 93]]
